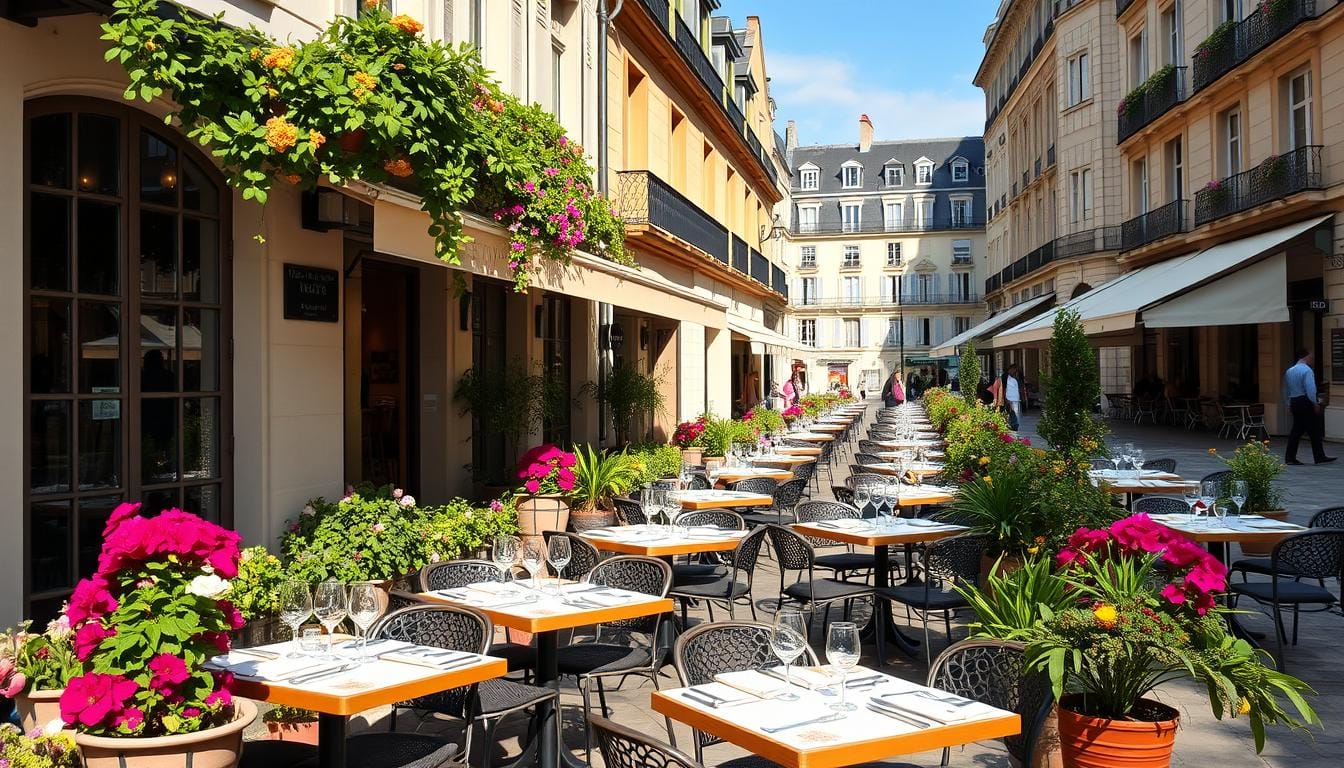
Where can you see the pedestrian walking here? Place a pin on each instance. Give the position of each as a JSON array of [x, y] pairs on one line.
[[892, 394], [1299, 386], [1008, 396]]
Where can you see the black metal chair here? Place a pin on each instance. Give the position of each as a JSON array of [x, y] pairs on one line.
[[1160, 465], [765, 486], [481, 706], [396, 600], [954, 560], [583, 556], [623, 747], [994, 672], [794, 552], [1313, 554], [451, 574], [733, 587], [699, 482], [841, 563], [870, 446], [1220, 477], [786, 496], [725, 646], [628, 653], [805, 472], [1102, 463], [865, 477], [399, 750], [717, 518], [1330, 517], [630, 512], [865, 459], [1161, 505]]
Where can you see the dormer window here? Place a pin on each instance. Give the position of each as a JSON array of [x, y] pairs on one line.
[[924, 171], [894, 175], [851, 176], [961, 171], [809, 178]]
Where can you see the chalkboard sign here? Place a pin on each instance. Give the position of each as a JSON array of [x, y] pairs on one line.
[[1337, 356], [312, 293]]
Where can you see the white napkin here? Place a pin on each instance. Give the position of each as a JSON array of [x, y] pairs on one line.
[[720, 695], [825, 676], [253, 668], [755, 684], [847, 524], [608, 599], [923, 705], [424, 656]]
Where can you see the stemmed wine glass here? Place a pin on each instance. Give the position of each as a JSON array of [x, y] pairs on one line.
[[712, 472], [863, 496], [558, 554], [1191, 494], [533, 557], [842, 651], [296, 605], [788, 638], [330, 606], [1208, 494], [1136, 461], [1239, 492], [366, 605], [505, 553]]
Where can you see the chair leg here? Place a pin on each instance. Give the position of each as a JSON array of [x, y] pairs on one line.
[[947, 757], [587, 729], [487, 743], [602, 698], [1295, 615], [1279, 659]]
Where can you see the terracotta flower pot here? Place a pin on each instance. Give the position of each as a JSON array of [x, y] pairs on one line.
[[1007, 565], [1263, 548], [542, 513], [217, 747], [1098, 742], [37, 708], [693, 456], [586, 518], [299, 733]]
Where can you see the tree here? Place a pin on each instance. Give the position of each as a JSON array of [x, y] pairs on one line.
[[969, 375], [1072, 387]]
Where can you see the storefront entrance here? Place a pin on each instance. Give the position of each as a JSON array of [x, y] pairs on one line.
[[389, 369]]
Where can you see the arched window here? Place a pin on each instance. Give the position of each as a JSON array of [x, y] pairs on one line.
[[127, 368]]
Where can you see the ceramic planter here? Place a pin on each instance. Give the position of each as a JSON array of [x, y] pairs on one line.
[[542, 513], [1263, 548], [693, 456], [587, 517], [37, 708], [217, 747], [1098, 742], [299, 733]]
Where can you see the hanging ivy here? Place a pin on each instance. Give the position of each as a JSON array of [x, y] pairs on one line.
[[370, 99]]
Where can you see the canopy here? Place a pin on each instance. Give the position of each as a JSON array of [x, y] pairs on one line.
[[989, 326], [1231, 283], [775, 343]]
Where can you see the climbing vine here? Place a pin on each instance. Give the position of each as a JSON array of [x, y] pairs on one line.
[[369, 98]]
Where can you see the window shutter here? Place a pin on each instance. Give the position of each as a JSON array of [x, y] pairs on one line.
[[864, 338], [862, 296], [449, 33], [937, 285], [837, 332], [517, 43], [907, 287], [938, 336]]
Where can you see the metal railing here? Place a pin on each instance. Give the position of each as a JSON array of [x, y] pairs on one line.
[[1154, 225], [690, 50], [735, 115], [898, 225], [992, 283], [807, 264], [1037, 46], [1050, 156], [1228, 47], [741, 255], [905, 299], [760, 268], [779, 280], [1158, 97], [659, 9], [1274, 179], [1061, 248], [643, 198]]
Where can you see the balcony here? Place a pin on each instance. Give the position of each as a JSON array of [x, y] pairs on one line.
[[643, 198], [807, 264], [993, 283], [1037, 169], [1121, 6], [690, 50], [1050, 156], [1154, 225], [659, 9], [779, 281], [1089, 241], [741, 255], [1158, 94], [1231, 44], [873, 302], [1026, 180], [1274, 179], [935, 224], [760, 268]]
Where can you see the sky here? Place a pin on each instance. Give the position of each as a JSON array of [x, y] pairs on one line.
[[907, 64]]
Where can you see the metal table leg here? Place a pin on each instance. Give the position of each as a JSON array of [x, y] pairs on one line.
[[331, 740]]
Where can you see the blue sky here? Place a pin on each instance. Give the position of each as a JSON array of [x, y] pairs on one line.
[[908, 64]]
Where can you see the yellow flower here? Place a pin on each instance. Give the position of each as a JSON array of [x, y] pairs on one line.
[[406, 24], [150, 45], [989, 480], [279, 58], [984, 460], [1106, 615], [254, 54], [1244, 706], [1033, 550], [365, 81], [1213, 451], [316, 138], [281, 134]]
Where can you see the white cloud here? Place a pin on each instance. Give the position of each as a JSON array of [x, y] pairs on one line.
[[826, 96]]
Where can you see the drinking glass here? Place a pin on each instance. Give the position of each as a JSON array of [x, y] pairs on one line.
[[1239, 491], [1208, 493], [893, 494], [366, 605], [1136, 461], [788, 638], [1191, 494], [558, 554], [330, 606], [1220, 512], [863, 496], [296, 605], [712, 472], [533, 557], [842, 651], [505, 553]]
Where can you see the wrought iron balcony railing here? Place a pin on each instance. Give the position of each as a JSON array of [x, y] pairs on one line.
[[1061, 248], [643, 198], [1231, 44], [741, 255], [905, 299], [1154, 225], [779, 281], [1274, 179], [1150, 101], [760, 268]]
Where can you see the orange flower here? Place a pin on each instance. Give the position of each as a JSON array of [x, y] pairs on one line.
[[399, 167], [254, 54], [1106, 615], [279, 58], [365, 81], [293, 178], [372, 4], [1244, 706], [406, 24], [398, 66], [150, 45], [316, 138], [281, 134]]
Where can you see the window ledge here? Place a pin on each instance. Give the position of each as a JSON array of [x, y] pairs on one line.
[[1076, 107]]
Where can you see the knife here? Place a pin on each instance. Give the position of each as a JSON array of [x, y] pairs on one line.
[[315, 676], [799, 724], [908, 720]]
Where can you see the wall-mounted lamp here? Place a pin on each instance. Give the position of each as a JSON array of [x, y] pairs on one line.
[[644, 337], [772, 232]]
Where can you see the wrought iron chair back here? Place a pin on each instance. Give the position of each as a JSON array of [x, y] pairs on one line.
[[631, 511], [995, 672], [765, 486], [623, 747], [1161, 505], [442, 626], [635, 573], [583, 556], [458, 573], [718, 518]]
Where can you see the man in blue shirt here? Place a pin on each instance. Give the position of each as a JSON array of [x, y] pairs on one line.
[[1299, 384]]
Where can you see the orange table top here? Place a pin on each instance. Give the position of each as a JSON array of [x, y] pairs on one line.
[[723, 499], [788, 460], [799, 451], [665, 547], [869, 536], [549, 614], [811, 437], [732, 476]]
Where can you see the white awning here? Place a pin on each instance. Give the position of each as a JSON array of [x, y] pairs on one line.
[[1202, 288], [775, 343], [984, 329]]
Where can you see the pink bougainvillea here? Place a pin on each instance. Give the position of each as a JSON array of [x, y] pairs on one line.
[[547, 470]]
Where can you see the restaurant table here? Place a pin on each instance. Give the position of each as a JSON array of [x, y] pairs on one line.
[[716, 499], [865, 533], [656, 541], [903, 443], [893, 455], [790, 450], [546, 618], [919, 469], [378, 683], [859, 736], [826, 426], [1147, 481], [785, 459], [733, 474], [811, 437]]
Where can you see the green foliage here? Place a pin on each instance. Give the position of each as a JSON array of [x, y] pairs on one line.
[[1072, 387], [600, 476], [969, 373], [1155, 83], [20, 750], [255, 590], [368, 98], [1254, 463], [976, 432], [513, 401], [289, 715], [46, 659], [1220, 36], [654, 461], [1002, 507], [720, 434], [628, 394], [373, 534], [1016, 599], [764, 421]]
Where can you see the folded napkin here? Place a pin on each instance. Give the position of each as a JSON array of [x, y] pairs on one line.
[[933, 705], [849, 524], [425, 656], [756, 684], [717, 694], [254, 668], [1268, 524], [825, 676], [608, 598], [920, 522]]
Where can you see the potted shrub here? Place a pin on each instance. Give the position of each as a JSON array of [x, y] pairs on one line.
[[34, 668], [791, 414], [37, 748], [627, 394], [720, 434], [654, 461], [255, 593], [689, 437], [145, 623], [1002, 507], [460, 529], [369, 534], [763, 422], [598, 477], [1130, 629], [513, 402], [969, 373], [291, 724], [1260, 469], [547, 475]]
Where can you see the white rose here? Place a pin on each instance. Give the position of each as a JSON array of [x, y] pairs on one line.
[[308, 511], [208, 585], [53, 728], [407, 501]]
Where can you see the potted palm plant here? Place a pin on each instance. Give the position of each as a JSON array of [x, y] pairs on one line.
[[628, 394], [598, 477], [512, 401], [1254, 465]]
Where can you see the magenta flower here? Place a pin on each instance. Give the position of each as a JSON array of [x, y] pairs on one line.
[[532, 486], [168, 671], [95, 699], [88, 637]]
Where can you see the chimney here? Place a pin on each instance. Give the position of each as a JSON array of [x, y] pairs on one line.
[[791, 137], [865, 133]]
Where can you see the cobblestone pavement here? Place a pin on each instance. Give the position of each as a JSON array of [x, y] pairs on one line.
[[1202, 741]]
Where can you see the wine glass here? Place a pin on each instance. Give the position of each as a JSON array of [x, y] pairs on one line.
[[366, 605], [1239, 492], [330, 606], [505, 553], [1136, 461], [558, 554], [842, 651], [533, 557], [712, 472], [296, 605], [788, 638], [863, 496]]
